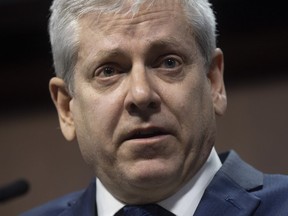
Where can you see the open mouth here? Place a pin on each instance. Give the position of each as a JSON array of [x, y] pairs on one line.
[[144, 134]]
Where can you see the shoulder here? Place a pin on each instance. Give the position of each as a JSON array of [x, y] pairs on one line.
[[270, 189], [76, 203], [56, 206], [275, 183], [273, 195]]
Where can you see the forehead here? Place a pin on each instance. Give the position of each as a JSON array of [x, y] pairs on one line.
[[149, 15], [158, 28]]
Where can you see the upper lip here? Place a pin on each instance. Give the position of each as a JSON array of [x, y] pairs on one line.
[[143, 133]]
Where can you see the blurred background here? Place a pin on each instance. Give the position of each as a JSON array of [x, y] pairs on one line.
[[253, 35]]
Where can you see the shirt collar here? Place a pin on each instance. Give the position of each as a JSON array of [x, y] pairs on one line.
[[182, 203], [186, 200]]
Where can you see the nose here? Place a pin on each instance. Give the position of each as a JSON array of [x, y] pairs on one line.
[[141, 95]]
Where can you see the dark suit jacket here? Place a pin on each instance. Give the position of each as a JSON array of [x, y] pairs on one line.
[[236, 190]]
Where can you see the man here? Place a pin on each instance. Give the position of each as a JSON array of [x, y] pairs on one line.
[[138, 85]]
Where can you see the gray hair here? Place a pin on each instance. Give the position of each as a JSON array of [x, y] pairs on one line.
[[63, 28]]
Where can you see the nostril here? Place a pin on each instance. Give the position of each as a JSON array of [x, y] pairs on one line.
[[132, 108], [153, 105], [143, 111]]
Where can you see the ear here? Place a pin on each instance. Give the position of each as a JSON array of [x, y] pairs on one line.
[[215, 76], [62, 99]]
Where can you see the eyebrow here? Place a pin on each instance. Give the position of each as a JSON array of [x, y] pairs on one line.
[[159, 45], [110, 53], [169, 42]]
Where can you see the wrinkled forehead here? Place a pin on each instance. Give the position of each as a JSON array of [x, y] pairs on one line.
[[124, 6], [159, 27], [127, 17]]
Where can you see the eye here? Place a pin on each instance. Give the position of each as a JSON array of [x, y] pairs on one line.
[[168, 63], [107, 71]]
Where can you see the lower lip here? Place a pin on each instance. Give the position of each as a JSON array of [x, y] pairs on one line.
[[149, 140]]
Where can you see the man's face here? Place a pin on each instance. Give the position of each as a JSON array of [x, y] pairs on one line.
[[142, 108]]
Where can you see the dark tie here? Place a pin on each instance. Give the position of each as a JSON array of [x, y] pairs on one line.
[[143, 210]]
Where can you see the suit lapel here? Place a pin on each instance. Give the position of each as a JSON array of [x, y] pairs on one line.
[[85, 205], [229, 193]]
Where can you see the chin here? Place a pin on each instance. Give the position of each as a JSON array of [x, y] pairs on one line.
[[153, 173]]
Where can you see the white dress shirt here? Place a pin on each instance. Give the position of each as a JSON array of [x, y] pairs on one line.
[[182, 203]]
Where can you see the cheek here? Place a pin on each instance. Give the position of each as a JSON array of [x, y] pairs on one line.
[[97, 114], [95, 120], [192, 105], [96, 146]]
